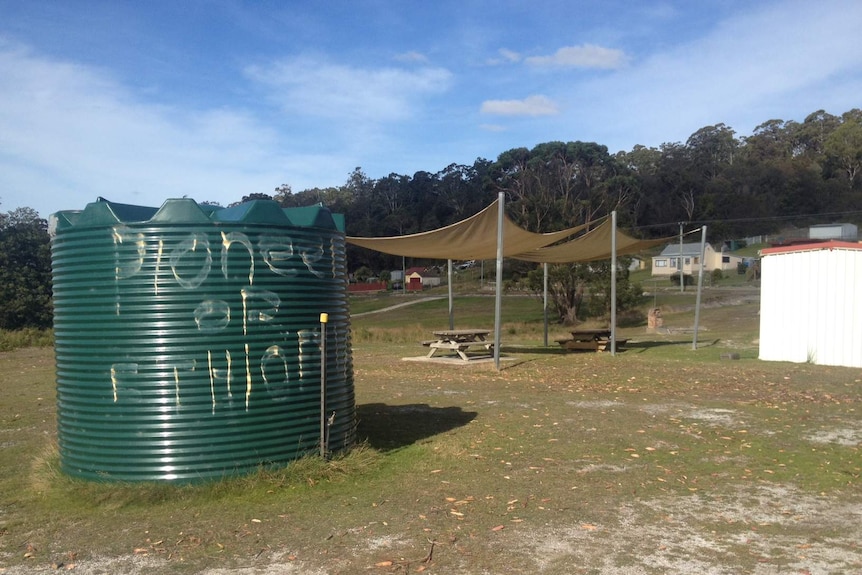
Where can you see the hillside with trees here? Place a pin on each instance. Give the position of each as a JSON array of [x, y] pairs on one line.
[[784, 173], [25, 271]]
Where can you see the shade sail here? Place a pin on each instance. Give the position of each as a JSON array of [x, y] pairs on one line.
[[591, 246], [474, 238]]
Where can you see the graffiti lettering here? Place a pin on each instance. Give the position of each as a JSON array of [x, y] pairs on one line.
[[126, 263], [186, 261], [277, 252], [194, 244], [236, 238], [258, 305], [275, 384], [118, 370], [212, 316]]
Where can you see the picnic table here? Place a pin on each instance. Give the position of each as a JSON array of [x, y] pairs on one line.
[[589, 340], [459, 341]]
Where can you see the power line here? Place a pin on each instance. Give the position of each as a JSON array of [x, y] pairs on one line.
[[758, 219]]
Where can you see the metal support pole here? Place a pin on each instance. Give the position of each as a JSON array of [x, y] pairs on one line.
[[324, 318], [451, 275], [679, 264], [498, 304], [613, 282], [699, 286], [545, 301]]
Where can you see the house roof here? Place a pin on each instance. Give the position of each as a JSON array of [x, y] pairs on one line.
[[811, 247], [687, 250], [831, 225]]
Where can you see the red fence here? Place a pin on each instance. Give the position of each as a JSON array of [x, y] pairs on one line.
[[367, 287]]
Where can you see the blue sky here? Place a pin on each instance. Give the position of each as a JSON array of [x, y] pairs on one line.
[[143, 101]]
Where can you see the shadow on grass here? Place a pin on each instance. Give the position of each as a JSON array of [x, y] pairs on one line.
[[630, 346], [388, 427], [645, 345], [537, 349], [642, 345]]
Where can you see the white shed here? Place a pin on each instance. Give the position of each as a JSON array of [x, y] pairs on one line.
[[811, 304], [845, 232]]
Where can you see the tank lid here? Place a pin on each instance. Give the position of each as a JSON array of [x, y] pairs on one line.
[[103, 213]]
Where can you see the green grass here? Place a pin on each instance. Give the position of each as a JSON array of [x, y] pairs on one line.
[[521, 315], [751, 251], [29, 337], [560, 463]]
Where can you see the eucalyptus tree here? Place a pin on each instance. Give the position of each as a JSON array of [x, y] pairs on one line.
[[25, 271], [390, 199], [712, 149], [460, 189], [772, 141], [813, 133], [251, 197], [511, 174], [424, 205], [557, 185], [843, 147], [643, 165], [679, 186], [336, 199]]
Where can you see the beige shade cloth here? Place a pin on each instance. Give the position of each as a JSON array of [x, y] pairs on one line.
[[474, 238], [592, 246]]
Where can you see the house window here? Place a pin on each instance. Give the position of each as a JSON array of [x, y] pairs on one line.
[[688, 261], [696, 260], [661, 263], [673, 262], [725, 259]]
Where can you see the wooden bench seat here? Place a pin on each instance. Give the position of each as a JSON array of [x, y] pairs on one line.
[[459, 347], [599, 344]]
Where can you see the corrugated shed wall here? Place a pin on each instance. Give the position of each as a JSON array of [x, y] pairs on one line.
[[811, 306]]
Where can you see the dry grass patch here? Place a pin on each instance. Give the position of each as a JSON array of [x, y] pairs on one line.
[[659, 460]]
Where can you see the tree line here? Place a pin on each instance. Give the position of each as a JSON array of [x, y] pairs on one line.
[[785, 172]]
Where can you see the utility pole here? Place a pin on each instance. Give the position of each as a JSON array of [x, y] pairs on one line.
[[679, 263]]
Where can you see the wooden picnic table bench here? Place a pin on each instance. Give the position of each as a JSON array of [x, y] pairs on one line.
[[589, 340], [459, 341]]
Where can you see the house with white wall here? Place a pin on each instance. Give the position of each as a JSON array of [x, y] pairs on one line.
[[667, 262], [418, 278]]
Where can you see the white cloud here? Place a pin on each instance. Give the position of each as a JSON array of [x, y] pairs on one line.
[[317, 87], [71, 133], [506, 56], [772, 61], [585, 56], [412, 57], [510, 55], [531, 106]]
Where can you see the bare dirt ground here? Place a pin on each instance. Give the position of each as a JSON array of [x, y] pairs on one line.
[[769, 527], [771, 523]]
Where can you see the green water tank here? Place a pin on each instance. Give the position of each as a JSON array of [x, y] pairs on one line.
[[189, 342]]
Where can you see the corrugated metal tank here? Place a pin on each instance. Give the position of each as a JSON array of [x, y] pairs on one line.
[[188, 338]]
